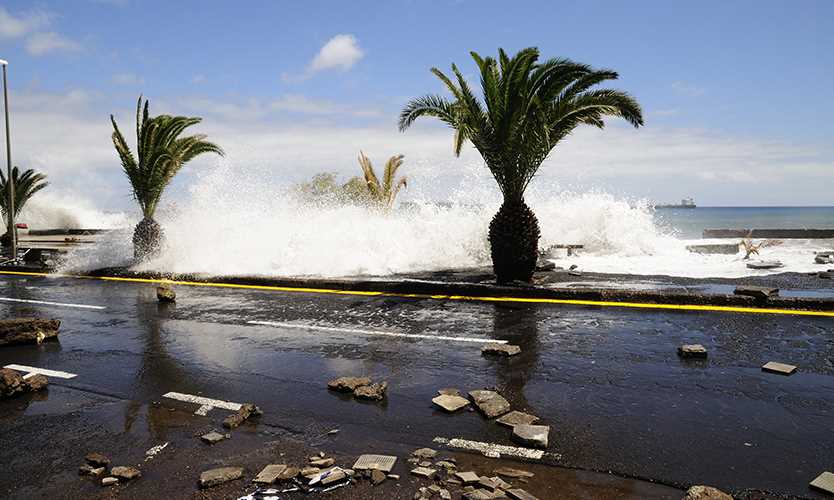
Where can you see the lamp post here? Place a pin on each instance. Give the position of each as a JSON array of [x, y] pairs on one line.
[[10, 205]]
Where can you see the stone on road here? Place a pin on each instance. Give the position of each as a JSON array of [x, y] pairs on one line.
[[373, 392], [531, 435], [11, 383], [500, 349], [348, 384], [759, 292], [424, 472], [97, 459], [824, 482], [125, 472], [246, 411], [692, 351], [701, 492], [270, 474], [513, 473], [468, 477], [109, 481], [519, 494], [490, 403], [450, 404], [424, 453], [517, 418], [28, 330], [213, 437], [780, 368], [220, 475], [166, 294], [385, 463]]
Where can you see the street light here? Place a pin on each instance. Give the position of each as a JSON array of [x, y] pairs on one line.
[[10, 205]]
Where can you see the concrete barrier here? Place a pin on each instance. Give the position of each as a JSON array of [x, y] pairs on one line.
[[784, 234]]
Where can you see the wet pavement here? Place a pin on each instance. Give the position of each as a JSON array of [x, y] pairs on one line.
[[607, 381]]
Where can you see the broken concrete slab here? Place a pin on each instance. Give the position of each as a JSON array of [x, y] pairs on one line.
[[246, 411], [385, 463], [468, 477], [221, 475], [109, 481], [28, 330], [692, 351], [348, 384], [824, 482], [493, 483], [11, 383], [377, 477], [515, 417], [531, 435], [213, 437], [424, 453], [500, 349], [89, 470], [35, 382], [166, 294], [289, 473], [780, 368], [125, 473], [701, 492], [765, 264], [449, 391], [329, 476], [270, 474], [445, 494], [373, 392], [449, 403], [519, 494], [483, 494], [322, 463], [424, 472], [310, 471], [513, 473], [97, 459], [758, 292], [490, 403]]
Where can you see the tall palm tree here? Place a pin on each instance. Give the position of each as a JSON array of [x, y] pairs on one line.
[[161, 153], [527, 108], [26, 184], [383, 193]]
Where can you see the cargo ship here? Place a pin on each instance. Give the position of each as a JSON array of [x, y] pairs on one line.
[[685, 203]]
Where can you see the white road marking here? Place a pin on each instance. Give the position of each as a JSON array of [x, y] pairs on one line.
[[375, 332], [490, 449], [47, 303], [32, 370], [206, 404]]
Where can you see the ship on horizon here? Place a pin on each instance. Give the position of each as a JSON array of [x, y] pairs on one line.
[[685, 203]]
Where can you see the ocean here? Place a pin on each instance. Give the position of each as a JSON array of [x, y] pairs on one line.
[[690, 223]]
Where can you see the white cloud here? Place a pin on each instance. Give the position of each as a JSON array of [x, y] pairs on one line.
[[341, 52], [12, 26], [127, 79], [43, 43], [688, 89]]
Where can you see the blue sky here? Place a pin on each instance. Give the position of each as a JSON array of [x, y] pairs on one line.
[[737, 95]]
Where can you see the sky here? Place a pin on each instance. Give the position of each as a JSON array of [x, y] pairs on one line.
[[736, 95]]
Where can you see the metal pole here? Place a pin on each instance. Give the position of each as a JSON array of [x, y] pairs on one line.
[[11, 228]]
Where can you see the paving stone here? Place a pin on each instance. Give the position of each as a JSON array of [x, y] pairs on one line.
[[125, 472], [424, 472], [490, 403], [519, 494], [270, 474], [780, 368], [701, 492], [348, 384], [424, 453], [493, 483], [385, 463], [450, 404], [220, 475], [468, 477], [213, 437], [449, 391], [109, 481], [517, 418], [824, 482], [531, 435], [500, 349], [692, 351], [513, 473]]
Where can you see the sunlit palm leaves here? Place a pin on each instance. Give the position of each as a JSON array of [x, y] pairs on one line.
[[382, 194]]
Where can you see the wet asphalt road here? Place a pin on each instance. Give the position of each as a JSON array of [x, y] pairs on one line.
[[607, 380]]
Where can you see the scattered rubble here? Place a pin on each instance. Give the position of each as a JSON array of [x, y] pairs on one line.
[[824, 482], [468, 477], [519, 494], [348, 384], [270, 474], [424, 472], [450, 403], [824, 258], [500, 349], [780, 368], [321, 463], [109, 481], [692, 351], [373, 392], [166, 294], [246, 411], [13, 383], [97, 459], [513, 473], [89, 470], [384, 463], [28, 330], [424, 453], [514, 418], [155, 450], [758, 292], [531, 435], [490, 403], [125, 472], [377, 477], [213, 437], [701, 492], [220, 475]]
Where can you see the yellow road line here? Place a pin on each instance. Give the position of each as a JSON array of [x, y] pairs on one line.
[[468, 298]]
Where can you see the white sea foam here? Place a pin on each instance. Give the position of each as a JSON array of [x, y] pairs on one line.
[[235, 222]]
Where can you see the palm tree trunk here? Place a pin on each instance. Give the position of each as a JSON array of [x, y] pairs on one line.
[[147, 239], [514, 241]]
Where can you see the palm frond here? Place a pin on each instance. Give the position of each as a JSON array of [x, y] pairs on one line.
[[26, 184]]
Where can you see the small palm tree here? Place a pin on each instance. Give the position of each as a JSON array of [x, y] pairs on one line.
[[26, 184], [382, 194], [528, 107], [161, 153]]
